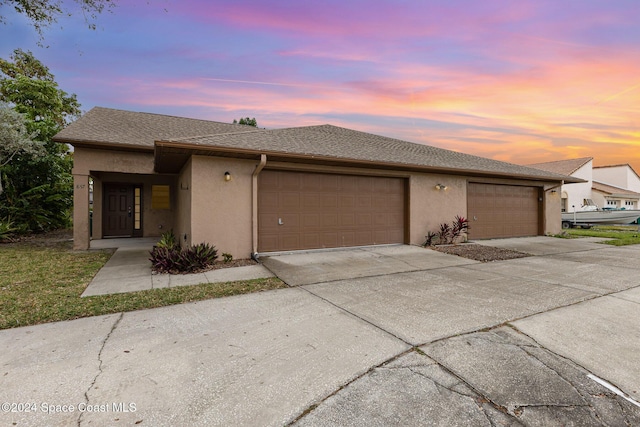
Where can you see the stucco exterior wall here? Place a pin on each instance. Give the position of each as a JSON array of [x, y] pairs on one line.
[[430, 207], [182, 227], [578, 192], [618, 176], [221, 210], [89, 159], [552, 221]]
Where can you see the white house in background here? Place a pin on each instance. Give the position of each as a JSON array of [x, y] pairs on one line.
[[621, 176], [613, 187]]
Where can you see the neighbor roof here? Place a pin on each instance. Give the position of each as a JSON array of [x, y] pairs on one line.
[[106, 126], [614, 191], [564, 167], [331, 143]]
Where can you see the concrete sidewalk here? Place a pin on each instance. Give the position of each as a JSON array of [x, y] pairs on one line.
[[129, 270], [530, 341]]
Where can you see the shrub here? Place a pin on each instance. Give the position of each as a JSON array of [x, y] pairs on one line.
[[447, 233], [168, 240], [7, 228], [189, 260], [227, 257]]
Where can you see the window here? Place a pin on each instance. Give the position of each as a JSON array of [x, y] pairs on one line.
[[160, 197], [629, 203], [137, 203], [612, 203], [563, 207]]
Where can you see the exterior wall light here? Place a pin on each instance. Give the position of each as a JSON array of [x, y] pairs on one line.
[[441, 187], [227, 176]]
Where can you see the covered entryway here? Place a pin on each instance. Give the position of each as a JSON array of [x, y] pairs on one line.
[[503, 210], [304, 210], [121, 210]]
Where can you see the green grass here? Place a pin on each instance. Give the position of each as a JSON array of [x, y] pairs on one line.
[[44, 284], [619, 235]]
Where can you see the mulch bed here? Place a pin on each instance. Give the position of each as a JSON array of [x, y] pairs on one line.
[[478, 252]]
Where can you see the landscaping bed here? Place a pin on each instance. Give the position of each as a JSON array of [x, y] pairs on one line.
[[478, 252]]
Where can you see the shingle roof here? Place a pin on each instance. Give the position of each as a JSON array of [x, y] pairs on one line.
[[173, 138], [326, 142], [126, 128], [612, 190], [564, 167]]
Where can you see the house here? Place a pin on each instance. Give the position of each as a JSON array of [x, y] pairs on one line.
[[619, 177], [249, 190], [614, 187]]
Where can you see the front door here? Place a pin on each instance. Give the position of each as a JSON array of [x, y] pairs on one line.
[[118, 210]]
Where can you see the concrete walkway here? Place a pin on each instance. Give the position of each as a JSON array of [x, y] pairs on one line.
[[547, 340], [129, 270]]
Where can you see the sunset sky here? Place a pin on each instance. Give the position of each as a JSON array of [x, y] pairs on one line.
[[521, 81]]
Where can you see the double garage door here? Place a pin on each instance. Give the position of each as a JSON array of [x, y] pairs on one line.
[[503, 211], [303, 210]]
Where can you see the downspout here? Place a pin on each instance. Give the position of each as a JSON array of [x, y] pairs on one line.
[[254, 206]]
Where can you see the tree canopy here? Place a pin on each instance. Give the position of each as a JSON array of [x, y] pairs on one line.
[[42, 13], [38, 188], [246, 121]]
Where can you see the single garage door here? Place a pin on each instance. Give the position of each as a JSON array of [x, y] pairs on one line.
[[503, 211], [301, 210]]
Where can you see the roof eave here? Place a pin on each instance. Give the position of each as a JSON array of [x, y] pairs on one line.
[[105, 145], [355, 162]]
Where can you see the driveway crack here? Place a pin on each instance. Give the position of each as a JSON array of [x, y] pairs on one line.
[[95, 379]]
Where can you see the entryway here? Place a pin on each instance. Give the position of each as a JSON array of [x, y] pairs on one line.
[[122, 210]]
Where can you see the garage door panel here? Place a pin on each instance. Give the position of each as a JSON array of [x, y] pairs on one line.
[[347, 220], [498, 211], [289, 200], [327, 210], [328, 201]]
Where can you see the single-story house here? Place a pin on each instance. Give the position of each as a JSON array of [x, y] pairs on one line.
[[249, 190], [614, 187]]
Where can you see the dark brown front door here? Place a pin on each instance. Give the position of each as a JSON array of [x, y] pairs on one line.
[[304, 210], [118, 210]]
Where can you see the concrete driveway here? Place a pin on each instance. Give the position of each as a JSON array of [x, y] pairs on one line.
[[378, 336]]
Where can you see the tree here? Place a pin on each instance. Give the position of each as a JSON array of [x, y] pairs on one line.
[[43, 13], [38, 185], [14, 138], [246, 121]]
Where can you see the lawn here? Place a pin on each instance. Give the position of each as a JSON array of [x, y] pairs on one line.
[[619, 235], [40, 284]]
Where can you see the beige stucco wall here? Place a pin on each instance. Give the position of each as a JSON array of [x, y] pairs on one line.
[[552, 209], [88, 159], [220, 210], [182, 227], [429, 207]]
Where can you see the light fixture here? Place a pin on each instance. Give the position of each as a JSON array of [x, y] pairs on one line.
[[553, 191], [441, 187], [227, 176]]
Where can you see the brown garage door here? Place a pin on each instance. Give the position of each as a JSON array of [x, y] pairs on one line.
[[301, 210], [503, 211]]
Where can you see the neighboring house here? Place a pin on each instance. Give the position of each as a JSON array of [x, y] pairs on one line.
[[249, 190], [614, 187], [621, 176]]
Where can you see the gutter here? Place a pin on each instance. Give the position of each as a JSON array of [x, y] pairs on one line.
[[254, 206]]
